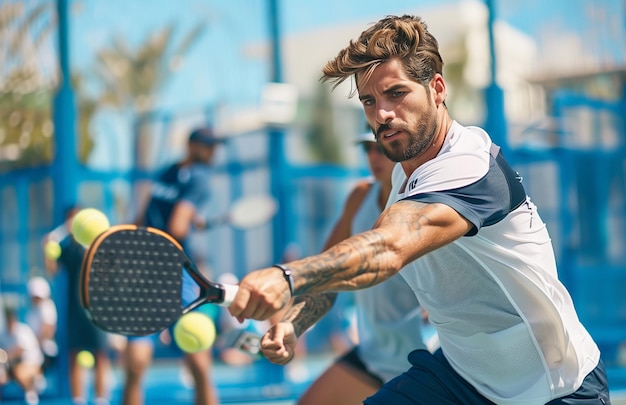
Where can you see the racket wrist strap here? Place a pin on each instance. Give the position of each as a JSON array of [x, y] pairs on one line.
[[288, 275]]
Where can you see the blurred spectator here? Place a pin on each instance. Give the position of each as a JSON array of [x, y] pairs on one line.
[[42, 318], [20, 356], [81, 333]]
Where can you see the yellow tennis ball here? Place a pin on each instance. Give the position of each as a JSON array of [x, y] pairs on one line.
[[194, 332], [88, 224], [85, 359], [52, 249]]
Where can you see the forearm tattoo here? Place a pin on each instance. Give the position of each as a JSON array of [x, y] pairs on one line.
[[362, 250], [368, 258], [306, 310]]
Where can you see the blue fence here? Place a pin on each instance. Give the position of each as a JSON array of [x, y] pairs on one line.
[[580, 191]]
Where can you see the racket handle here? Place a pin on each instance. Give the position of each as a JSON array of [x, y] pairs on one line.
[[230, 290]]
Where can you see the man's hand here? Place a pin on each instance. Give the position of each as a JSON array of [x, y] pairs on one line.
[[261, 294], [278, 345], [200, 223]]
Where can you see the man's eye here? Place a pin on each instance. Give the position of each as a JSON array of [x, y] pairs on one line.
[[367, 102], [397, 93]]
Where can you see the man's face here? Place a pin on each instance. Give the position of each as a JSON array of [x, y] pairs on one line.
[[201, 153], [401, 111], [380, 166]]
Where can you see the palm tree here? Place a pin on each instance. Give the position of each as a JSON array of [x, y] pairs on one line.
[[131, 79], [26, 83]]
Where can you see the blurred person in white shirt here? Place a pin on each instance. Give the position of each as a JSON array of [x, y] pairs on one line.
[[22, 357], [42, 317]]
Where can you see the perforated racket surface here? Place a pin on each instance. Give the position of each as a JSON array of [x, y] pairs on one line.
[[131, 281]]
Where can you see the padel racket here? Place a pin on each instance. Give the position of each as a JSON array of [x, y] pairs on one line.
[[247, 212], [132, 279]]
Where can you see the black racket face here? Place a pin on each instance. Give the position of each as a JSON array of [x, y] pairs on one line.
[[132, 281]]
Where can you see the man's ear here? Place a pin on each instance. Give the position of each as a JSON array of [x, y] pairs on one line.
[[438, 87]]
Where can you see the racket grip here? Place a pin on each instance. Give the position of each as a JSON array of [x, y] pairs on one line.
[[230, 290]]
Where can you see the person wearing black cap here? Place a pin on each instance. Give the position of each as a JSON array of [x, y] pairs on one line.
[[176, 196], [182, 187]]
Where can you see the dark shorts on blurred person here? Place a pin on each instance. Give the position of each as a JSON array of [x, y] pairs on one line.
[[352, 359]]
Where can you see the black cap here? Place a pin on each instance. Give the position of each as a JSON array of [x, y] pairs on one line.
[[204, 136]]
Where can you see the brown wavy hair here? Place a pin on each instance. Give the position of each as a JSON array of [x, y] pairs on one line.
[[403, 37]]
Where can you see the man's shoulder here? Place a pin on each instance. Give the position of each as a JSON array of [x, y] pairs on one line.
[[168, 172], [352, 205], [197, 175], [465, 139], [48, 305], [199, 169], [359, 192], [464, 159], [23, 330]]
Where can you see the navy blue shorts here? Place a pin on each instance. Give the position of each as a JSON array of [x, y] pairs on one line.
[[432, 381]]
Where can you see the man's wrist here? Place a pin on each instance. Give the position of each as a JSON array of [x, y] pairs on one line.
[[288, 275]]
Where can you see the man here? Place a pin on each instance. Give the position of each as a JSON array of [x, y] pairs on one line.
[[80, 332], [389, 317], [176, 196], [468, 240]]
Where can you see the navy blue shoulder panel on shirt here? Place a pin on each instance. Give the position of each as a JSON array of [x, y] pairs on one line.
[[486, 201]]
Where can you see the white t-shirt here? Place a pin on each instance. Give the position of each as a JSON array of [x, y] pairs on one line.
[[505, 322], [24, 337], [43, 313]]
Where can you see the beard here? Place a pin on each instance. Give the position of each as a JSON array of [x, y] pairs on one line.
[[420, 138]]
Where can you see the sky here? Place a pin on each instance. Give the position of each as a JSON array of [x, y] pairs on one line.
[[225, 66], [216, 59], [230, 63]]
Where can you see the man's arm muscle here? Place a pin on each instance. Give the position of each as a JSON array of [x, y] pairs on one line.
[[404, 232]]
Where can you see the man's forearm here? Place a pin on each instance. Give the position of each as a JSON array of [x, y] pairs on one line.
[[352, 264]]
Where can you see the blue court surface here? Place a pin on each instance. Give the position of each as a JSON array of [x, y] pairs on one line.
[[168, 383], [259, 383]]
